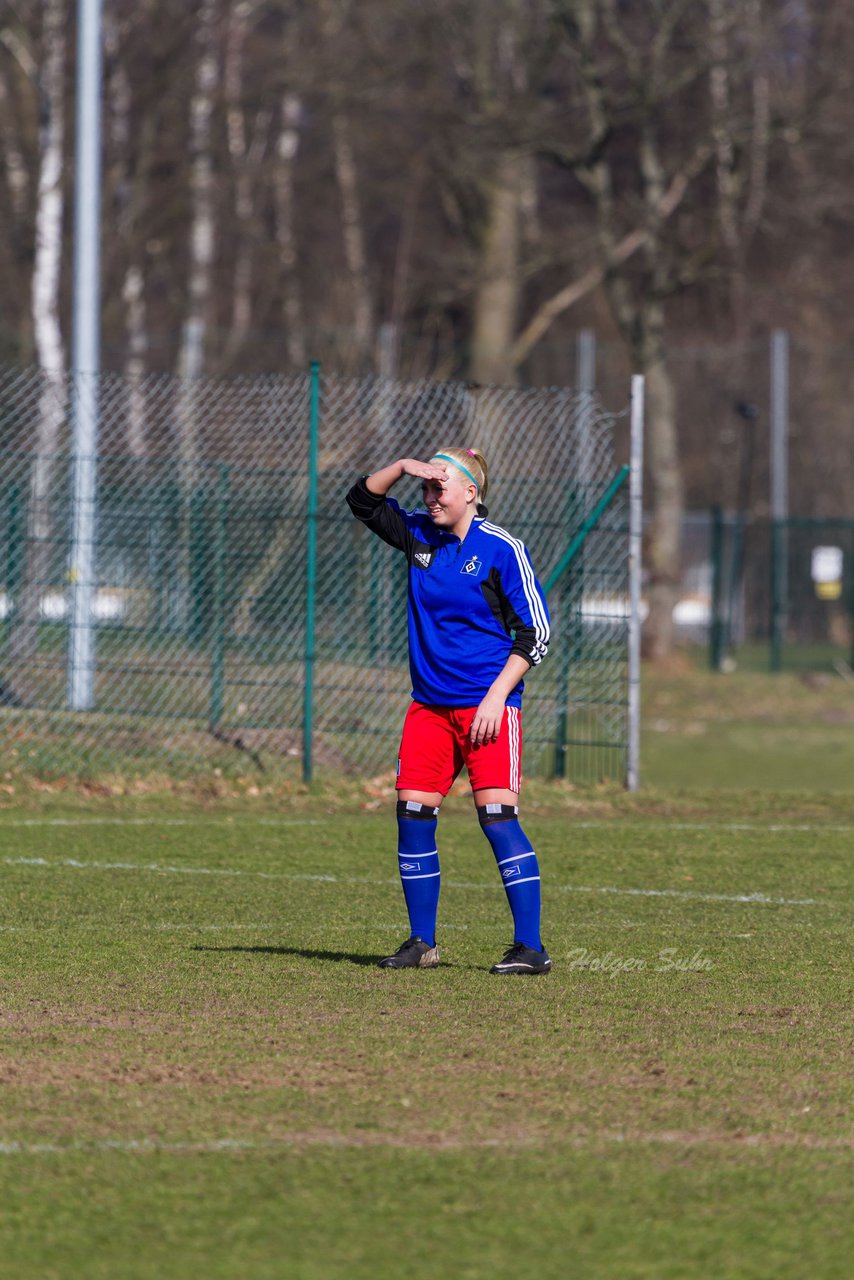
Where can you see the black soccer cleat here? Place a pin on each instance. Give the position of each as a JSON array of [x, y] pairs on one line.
[[414, 953], [522, 959]]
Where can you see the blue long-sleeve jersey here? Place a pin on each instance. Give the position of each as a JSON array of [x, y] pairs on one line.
[[471, 603]]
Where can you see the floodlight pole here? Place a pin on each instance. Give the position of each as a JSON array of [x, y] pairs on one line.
[[311, 572], [585, 363], [85, 358], [635, 541], [779, 470]]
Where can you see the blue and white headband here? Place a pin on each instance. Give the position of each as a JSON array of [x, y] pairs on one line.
[[447, 458]]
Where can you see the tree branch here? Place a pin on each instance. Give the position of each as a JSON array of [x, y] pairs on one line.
[[567, 297]]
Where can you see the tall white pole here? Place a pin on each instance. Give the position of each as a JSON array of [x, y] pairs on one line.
[[635, 542], [585, 366], [585, 361], [85, 355], [779, 467]]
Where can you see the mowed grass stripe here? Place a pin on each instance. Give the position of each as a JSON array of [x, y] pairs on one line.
[[664, 1213], [76, 864], [226, 1146]]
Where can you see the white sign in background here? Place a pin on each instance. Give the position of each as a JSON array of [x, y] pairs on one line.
[[826, 564]]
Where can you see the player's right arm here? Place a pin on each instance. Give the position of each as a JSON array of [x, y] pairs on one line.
[[367, 499], [381, 481]]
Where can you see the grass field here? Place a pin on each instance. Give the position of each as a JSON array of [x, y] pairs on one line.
[[204, 1074]]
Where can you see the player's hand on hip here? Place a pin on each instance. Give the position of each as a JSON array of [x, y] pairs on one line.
[[486, 725]]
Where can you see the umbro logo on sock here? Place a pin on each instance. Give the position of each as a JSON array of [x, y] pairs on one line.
[[511, 871], [410, 866]]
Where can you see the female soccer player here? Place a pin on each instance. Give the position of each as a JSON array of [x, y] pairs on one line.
[[477, 622]]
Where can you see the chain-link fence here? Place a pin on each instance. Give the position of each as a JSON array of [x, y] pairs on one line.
[[235, 605], [782, 593]]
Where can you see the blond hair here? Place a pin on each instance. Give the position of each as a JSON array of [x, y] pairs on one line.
[[472, 463]]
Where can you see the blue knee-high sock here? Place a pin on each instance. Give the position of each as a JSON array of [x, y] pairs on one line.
[[418, 860], [520, 871]]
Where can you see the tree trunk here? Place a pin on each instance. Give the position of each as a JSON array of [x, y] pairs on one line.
[[286, 152], [496, 301], [136, 329], [12, 131], [126, 201], [191, 359], [666, 504], [287, 146], [247, 154], [354, 238], [17, 177], [192, 354], [23, 641]]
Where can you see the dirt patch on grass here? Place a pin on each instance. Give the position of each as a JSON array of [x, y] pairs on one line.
[[116, 1069], [37, 1020], [737, 1138]]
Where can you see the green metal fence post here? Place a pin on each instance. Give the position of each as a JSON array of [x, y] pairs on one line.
[[198, 567], [562, 695], [218, 602], [578, 541], [311, 570], [718, 625], [571, 591], [15, 545], [850, 563], [375, 629]]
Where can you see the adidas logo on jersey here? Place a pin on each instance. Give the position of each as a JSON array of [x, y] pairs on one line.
[[423, 558]]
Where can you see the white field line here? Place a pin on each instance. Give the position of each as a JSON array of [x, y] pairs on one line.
[[219, 1146], [586, 824], [658, 825], [154, 822], [78, 864], [762, 898], [170, 927]]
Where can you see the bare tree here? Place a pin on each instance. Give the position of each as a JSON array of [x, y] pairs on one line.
[[638, 303], [247, 146], [494, 50], [202, 236], [19, 109], [650, 138], [128, 193], [334, 16], [17, 176], [50, 349], [287, 146]]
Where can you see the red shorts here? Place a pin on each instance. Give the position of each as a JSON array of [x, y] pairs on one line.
[[436, 744]]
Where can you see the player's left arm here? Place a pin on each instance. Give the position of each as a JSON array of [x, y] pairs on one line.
[[486, 725], [522, 604]]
